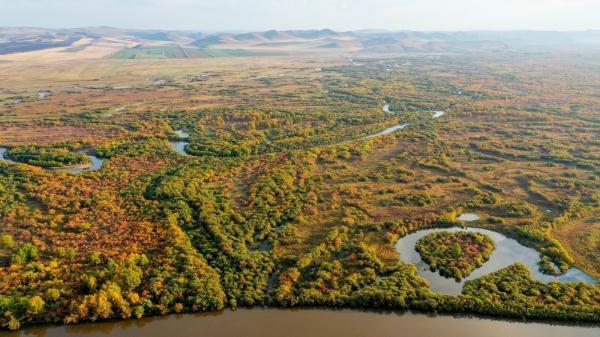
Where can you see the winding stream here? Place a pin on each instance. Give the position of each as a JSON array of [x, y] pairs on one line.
[[387, 131], [179, 145], [437, 114], [95, 163], [386, 108], [508, 252], [2, 150], [469, 217]]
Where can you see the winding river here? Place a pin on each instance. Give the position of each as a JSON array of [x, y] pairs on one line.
[[95, 163], [508, 251], [263, 322], [387, 131], [268, 322], [2, 151], [468, 217], [386, 108], [179, 145], [438, 114]]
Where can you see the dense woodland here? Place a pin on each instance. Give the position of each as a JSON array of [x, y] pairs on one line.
[[281, 200]]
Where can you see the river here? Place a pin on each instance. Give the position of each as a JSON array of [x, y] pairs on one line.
[[437, 114], [386, 108], [507, 252], [263, 322], [469, 217], [2, 151], [179, 145], [387, 131], [266, 322], [95, 163]]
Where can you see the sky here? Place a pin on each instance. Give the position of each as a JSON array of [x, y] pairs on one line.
[[341, 15]]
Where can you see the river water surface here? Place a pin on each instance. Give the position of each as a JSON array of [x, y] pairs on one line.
[[179, 145], [2, 150], [262, 322], [437, 114], [507, 252], [386, 108], [469, 217], [387, 131], [95, 163]]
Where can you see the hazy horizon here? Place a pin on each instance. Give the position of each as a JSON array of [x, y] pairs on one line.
[[210, 31], [338, 15]]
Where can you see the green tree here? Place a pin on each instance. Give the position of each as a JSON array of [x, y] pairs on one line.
[[35, 305]]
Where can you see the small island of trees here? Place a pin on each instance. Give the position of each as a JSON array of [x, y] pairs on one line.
[[455, 254], [47, 157]]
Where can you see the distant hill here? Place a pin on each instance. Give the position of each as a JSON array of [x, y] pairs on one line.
[[208, 41], [270, 35], [157, 36], [486, 40], [407, 41], [25, 39]]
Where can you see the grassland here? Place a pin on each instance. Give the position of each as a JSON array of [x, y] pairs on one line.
[[176, 52]]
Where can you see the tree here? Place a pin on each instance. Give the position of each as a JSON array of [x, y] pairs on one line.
[[456, 250], [6, 242], [35, 305], [25, 253]]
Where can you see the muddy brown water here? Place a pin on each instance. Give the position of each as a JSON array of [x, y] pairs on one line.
[[262, 322]]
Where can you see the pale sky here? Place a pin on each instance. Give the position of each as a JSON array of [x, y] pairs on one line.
[[258, 15]]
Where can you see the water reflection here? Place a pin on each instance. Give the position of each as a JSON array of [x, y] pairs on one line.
[[386, 108], [95, 163], [508, 252], [263, 322], [2, 151], [182, 133], [179, 145], [387, 131], [437, 114], [469, 217]]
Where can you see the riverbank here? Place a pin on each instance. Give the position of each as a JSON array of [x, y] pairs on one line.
[[180, 144], [316, 322], [507, 252], [94, 163]]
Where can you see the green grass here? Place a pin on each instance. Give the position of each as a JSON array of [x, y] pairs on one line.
[[226, 52], [158, 52], [175, 52]]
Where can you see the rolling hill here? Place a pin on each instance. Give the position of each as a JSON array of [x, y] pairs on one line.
[[98, 42]]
